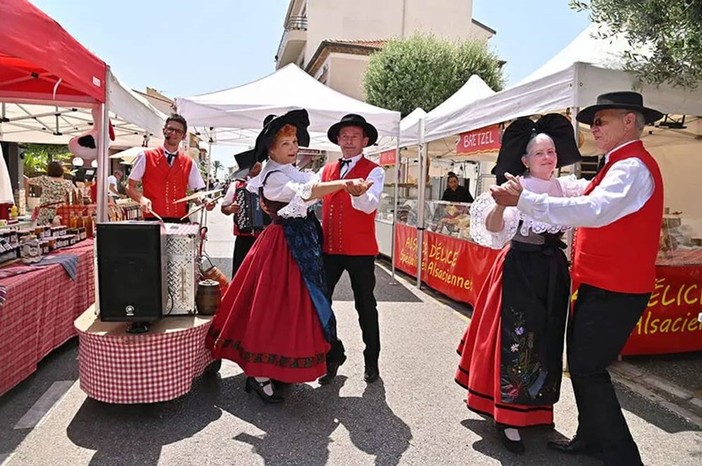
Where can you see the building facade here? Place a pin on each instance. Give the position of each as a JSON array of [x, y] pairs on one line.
[[333, 39]]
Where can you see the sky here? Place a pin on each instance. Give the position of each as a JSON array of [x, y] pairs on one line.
[[183, 47]]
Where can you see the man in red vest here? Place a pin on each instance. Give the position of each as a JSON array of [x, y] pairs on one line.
[[619, 216], [166, 174], [348, 223]]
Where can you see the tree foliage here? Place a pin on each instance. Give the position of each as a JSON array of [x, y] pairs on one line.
[[217, 166], [423, 71], [38, 156], [670, 32]]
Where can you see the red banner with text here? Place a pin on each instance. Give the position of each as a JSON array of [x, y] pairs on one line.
[[669, 324], [388, 157], [458, 268], [454, 267], [480, 140]]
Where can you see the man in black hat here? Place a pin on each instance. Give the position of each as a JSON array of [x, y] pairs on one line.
[[249, 163], [349, 235], [248, 168], [619, 216]]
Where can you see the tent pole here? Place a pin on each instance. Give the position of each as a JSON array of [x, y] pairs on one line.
[[396, 168], [203, 212], [421, 184], [103, 153]]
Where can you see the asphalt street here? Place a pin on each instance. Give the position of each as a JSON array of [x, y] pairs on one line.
[[413, 415]]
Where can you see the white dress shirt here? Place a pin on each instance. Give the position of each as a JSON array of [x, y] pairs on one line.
[[625, 188], [195, 181], [285, 183], [370, 200]]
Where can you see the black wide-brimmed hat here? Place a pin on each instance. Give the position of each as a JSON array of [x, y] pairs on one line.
[[353, 120], [625, 100], [272, 124], [244, 160], [518, 134]]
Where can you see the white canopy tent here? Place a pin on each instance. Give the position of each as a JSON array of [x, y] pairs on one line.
[[440, 123], [586, 68], [235, 116], [132, 117], [473, 89]]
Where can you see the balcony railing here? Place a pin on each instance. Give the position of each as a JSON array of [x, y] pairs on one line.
[[294, 23]]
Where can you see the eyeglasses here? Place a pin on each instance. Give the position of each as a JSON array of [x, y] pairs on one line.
[[170, 129], [599, 121]]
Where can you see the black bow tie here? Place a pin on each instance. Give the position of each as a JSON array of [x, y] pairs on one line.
[[344, 162], [170, 157], [601, 164]]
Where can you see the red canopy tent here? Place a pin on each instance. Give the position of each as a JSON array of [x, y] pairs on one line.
[[40, 61], [42, 64]]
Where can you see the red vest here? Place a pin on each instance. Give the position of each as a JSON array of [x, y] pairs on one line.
[[621, 256], [163, 184], [347, 231]]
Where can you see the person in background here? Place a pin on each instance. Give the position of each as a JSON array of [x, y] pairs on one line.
[[619, 217], [166, 174], [55, 191], [249, 167], [349, 236], [113, 182], [275, 320], [512, 351], [454, 192]]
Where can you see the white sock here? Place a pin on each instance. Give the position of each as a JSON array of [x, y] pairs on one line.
[[512, 434], [268, 389]]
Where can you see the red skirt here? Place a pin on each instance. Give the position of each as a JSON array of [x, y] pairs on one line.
[[480, 375], [267, 323]]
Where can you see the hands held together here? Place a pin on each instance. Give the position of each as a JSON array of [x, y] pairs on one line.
[[507, 194], [357, 186]]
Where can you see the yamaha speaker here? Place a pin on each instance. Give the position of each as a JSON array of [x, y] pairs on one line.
[[131, 266]]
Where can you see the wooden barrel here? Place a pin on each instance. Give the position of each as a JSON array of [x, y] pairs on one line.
[[213, 273], [208, 297]]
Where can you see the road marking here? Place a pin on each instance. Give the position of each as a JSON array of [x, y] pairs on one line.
[[43, 405]]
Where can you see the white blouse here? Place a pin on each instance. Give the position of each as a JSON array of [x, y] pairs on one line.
[[286, 184], [565, 186]]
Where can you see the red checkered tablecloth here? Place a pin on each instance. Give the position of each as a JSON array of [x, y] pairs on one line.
[[160, 365], [38, 313]]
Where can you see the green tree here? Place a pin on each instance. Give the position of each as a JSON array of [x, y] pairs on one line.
[[217, 166], [423, 71], [38, 156], [668, 31]]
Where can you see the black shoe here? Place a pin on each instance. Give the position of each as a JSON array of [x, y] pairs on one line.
[[252, 384], [575, 446], [332, 369], [371, 374], [514, 446]]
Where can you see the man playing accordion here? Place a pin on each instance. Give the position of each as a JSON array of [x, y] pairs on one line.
[[249, 219]]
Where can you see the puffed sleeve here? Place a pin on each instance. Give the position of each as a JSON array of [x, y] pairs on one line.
[[295, 192], [572, 186], [479, 211]]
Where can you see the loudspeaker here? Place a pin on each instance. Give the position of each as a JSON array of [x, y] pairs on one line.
[[132, 278]]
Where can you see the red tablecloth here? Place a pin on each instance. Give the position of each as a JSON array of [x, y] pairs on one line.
[[38, 313], [160, 365]]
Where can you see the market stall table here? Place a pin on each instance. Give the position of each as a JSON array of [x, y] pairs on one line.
[[38, 307], [160, 365]]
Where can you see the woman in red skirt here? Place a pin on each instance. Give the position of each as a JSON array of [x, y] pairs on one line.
[[275, 320], [511, 353]]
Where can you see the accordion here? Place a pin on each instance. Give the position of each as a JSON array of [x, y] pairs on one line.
[[250, 218]]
